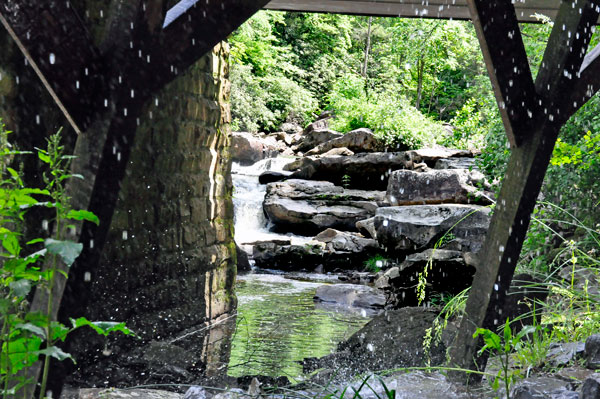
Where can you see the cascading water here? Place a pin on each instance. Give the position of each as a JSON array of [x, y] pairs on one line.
[[251, 225]]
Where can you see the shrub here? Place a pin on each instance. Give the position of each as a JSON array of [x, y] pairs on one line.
[[393, 120]]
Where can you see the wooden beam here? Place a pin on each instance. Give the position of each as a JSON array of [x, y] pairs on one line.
[[564, 56], [504, 54], [522, 183], [586, 85], [443, 9], [58, 47], [190, 30]]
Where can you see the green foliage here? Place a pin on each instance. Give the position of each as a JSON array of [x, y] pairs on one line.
[[392, 119], [28, 336], [265, 81], [503, 345], [288, 66], [346, 180]]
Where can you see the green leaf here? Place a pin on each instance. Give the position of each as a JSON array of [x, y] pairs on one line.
[[56, 352], [11, 244], [67, 250], [20, 288], [83, 215], [102, 327], [44, 158], [58, 331], [34, 191], [32, 328], [19, 354], [35, 241]]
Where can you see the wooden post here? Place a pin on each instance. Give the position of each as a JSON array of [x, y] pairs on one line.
[[560, 74]]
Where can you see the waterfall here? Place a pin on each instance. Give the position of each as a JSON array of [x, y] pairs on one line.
[[250, 222]]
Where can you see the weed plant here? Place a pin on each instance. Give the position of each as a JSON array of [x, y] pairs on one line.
[[32, 268]]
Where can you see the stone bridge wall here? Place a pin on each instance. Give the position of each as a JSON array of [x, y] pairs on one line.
[[169, 260]]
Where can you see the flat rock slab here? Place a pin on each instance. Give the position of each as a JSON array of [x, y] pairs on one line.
[[307, 206], [364, 171], [95, 393], [415, 227], [455, 186], [455, 163], [330, 250], [368, 170], [432, 155]]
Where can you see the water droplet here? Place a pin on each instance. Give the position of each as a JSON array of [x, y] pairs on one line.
[[52, 58]]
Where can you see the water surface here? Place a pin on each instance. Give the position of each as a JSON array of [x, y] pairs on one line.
[[279, 325]]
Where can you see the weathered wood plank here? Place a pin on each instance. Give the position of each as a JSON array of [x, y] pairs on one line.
[[506, 61], [565, 52], [446, 9], [586, 86]]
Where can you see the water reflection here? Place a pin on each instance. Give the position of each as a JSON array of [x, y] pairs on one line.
[[278, 325]]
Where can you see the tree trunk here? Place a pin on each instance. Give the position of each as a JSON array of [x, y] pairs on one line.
[[365, 67]]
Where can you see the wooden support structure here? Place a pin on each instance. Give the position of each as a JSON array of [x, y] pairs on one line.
[[563, 84]]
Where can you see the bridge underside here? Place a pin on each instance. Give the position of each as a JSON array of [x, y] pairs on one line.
[[104, 82]]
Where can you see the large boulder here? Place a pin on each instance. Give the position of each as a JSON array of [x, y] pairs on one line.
[[412, 228], [364, 170], [456, 186], [367, 228], [393, 339], [359, 140], [447, 273], [312, 138], [247, 148], [283, 255], [592, 352], [313, 206], [271, 176], [359, 296], [290, 128]]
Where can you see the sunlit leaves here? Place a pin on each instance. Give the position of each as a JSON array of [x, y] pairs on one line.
[[83, 215], [101, 327]]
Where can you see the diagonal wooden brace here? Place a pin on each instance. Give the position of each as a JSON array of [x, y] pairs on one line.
[[504, 53]]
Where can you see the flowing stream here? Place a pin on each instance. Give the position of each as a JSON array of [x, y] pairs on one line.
[[278, 323]]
